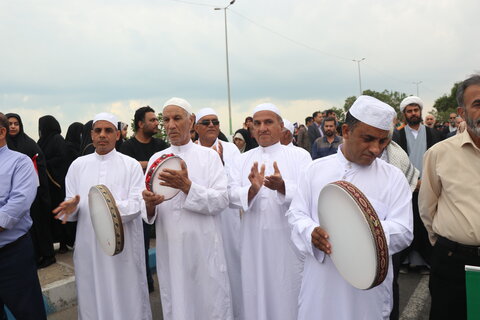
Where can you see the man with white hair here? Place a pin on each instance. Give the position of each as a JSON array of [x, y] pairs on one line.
[[324, 292], [207, 127], [108, 287], [264, 184], [430, 121], [415, 138], [191, 265]]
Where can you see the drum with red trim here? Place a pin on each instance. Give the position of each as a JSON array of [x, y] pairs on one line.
[[152, 180], [359, 246]]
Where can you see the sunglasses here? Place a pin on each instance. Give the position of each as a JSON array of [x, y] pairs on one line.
[[207, 122]]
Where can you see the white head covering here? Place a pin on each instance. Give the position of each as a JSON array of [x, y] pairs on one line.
[[288, 125], [267, 107], [373, 112], [179, 102], [106, 117], [410, 100], [204, 112]]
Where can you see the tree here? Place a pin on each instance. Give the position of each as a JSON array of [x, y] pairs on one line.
[[392, 98], [446, 104]]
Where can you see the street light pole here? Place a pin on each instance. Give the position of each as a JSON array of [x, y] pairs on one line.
[[417, 83], [228, 66], [359, 74]]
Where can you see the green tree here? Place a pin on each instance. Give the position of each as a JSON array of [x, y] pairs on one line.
[[446, 104]]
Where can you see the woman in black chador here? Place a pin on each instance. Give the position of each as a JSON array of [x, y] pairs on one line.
[[40, 211], [54, 147]]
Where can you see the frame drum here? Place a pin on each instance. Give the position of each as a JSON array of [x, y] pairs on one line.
[[359, 246], [106, 219], [152, 181]]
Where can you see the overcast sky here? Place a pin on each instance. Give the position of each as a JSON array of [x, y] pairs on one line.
[[73, 59]]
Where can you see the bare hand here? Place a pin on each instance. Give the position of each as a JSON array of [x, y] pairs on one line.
[[256, 179], [66, 208], [275, 181], [219, 151], [320, 240], [151, 201], [177, 179]]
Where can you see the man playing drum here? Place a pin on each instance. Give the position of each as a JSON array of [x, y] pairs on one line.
[[108, 287], [191, 264], [324, 293]]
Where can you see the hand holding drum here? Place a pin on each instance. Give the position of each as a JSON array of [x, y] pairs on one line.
[[352, 234], [165, 178]]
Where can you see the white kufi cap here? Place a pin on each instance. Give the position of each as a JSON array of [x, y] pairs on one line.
[[106, 117], [179, 102], [267, 107], [410, 100], [288, 125], [373, 112], [204, 112]]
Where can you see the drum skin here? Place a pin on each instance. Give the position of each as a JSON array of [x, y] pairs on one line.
[[152, 182], [359, 246], [106, 219]]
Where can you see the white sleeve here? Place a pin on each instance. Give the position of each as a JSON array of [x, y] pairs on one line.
[[130, 202]]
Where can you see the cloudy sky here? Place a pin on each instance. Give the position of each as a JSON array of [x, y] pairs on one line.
[[72, 59]]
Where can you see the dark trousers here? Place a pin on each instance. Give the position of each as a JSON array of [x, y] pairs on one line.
[[396, 261], [19, 286], [146, 237], [447, 282]]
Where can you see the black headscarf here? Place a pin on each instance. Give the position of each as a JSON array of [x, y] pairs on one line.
[[48, 127], [73, 140], [21, 142], [86, 147], [249, 144]]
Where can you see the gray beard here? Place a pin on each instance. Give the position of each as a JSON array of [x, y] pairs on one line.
[[474, 126]]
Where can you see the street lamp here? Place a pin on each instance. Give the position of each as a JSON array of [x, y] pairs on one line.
[[359, 75], [417, 83], [228, 68]]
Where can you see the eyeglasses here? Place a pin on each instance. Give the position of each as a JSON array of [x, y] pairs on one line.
[[207, 122]]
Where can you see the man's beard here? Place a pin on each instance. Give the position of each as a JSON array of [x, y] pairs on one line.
[[329, 133], [473, 125], [414, 120], [150, 133]]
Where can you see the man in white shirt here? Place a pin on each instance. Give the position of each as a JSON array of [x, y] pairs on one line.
[[324, 293], [191, 265], [264, 184], [108, 287]]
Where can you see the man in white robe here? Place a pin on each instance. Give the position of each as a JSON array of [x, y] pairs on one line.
[[324, 293], [191, 264], [207, 127], [270, 265], [108, 287]]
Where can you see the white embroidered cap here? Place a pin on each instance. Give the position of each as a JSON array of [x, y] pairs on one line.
[[373, 112], [267, 107], [204, 112], [179, 102], [105, 116]]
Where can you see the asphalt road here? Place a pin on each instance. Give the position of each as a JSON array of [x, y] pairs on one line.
[[414, 300]]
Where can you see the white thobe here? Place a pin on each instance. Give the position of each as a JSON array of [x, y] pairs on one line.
[[270, 265], [324, 293], [191, 264], [230, 222], [109, 287]]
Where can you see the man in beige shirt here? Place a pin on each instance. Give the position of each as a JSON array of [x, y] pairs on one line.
[[448, 204]]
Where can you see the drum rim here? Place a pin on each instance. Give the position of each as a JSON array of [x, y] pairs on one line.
[[111, 204], [375, 226], [153, 169]]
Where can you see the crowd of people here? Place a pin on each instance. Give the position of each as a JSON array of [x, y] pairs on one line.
[[241, 239]]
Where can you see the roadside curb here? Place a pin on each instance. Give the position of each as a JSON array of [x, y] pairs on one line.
[[62, 294]]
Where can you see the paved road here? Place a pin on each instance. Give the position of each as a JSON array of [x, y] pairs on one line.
[[414, 300]]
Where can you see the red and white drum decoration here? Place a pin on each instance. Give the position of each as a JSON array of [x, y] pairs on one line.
[[359, 246], [152, 181], [106, 219]]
